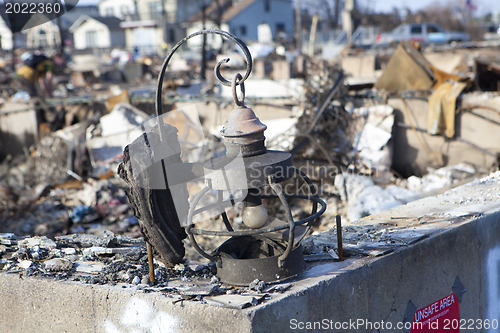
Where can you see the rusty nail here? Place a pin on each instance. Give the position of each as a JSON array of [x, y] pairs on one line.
[[339, 237], [150, 263]]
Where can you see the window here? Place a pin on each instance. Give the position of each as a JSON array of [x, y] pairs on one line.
[[399, 30], [243, 30], [155, 10], [267, 6], [280, 27], [91, 38], [416, 29], [42, 38], [432, 29], [124, 10], [171, 36]]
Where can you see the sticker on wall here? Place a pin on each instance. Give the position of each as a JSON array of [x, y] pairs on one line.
[[440, 316]]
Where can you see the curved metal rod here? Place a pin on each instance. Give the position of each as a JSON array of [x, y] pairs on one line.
[[190, 225], [220, 199], [226, 221], [312, 189], [270, 229], [198, 248], [291, 233], [222, 80]]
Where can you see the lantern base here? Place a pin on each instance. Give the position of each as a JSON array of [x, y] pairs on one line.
[[242, 260]]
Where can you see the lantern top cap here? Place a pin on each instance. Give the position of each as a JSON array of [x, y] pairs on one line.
[[241, 122]]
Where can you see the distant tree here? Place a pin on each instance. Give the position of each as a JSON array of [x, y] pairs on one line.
[[329, 10], [449, 16], [385, 21], [488, 18]]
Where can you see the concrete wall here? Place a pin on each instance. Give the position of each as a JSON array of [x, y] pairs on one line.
[[463, 228], [380, 289], [37, 305]]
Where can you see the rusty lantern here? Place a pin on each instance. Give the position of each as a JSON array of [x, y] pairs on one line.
[[264, 247]]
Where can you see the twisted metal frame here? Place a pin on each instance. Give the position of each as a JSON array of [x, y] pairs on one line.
[[291, 224]]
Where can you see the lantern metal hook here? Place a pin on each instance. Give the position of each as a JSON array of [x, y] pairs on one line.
[[218, 75], [238, 80]]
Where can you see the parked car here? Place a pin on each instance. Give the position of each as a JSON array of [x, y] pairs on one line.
[[424, 33], [491, 32]]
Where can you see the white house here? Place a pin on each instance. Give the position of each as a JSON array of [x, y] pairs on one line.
[[5, 35], [123, 9], [45, 35], [143, 35], [149, 23], [97, 32]]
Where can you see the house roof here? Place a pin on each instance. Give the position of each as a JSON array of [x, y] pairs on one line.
[[138, 24], [236, 9], [112, 22], [229, 10], [71, 16]]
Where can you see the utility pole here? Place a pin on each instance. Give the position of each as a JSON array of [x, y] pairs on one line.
[[163, 21], [298, 26], [204, 45], [312, 35], [61, 35], [347, 24], [13, 51]]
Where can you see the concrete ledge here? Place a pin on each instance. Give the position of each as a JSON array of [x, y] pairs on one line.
[[463, 240]]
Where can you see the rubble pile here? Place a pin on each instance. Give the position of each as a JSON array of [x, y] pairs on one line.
[[323, 128], [73, 207], [359, 241], [415, 125], [108, 259]]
